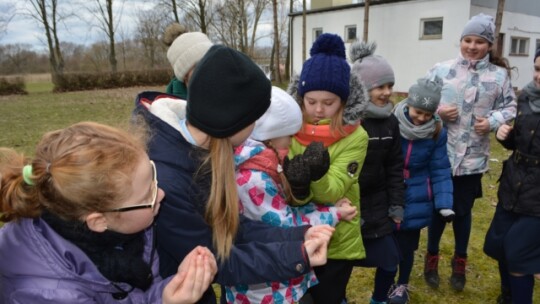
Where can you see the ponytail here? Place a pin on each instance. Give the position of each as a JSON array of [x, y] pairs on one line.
[[17, 198], [222, 209], [502, 62]]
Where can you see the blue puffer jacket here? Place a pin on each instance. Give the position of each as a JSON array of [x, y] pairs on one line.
[[428, 181], [259, 253]]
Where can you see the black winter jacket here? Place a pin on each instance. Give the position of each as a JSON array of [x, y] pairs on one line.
[[519, 189], [381, 178]]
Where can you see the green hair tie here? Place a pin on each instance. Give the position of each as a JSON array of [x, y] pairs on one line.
[[27, 174]]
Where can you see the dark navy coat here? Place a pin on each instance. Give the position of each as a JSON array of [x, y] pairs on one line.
[[259, 253]]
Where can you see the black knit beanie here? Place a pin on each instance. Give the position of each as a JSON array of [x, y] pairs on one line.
[[227, 92]]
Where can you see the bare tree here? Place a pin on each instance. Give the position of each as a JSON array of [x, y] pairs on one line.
[[19, 58], [276, 48], [498, 21], [6, 15], [46, 12], [288, 58], [102, 11], [197, 12], [236, 23], [150, 25], [97, 56]]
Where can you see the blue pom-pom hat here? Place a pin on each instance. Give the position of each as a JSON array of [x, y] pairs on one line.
[[327, 69]]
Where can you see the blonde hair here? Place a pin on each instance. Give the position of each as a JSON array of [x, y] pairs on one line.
[[222, 208], [285, 186], [83, 168], [336, 122]]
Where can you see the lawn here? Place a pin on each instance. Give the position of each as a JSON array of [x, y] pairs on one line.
[[23, 119]]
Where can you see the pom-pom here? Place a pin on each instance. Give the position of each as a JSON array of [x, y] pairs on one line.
[[361, 49], [172, 31], [328, 44]]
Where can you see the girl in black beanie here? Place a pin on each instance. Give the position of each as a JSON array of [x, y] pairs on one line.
[[194, 154]]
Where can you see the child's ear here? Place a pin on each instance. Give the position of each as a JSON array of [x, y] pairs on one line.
[[96, 222]]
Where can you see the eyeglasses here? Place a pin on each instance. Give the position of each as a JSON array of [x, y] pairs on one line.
[[143, 206]]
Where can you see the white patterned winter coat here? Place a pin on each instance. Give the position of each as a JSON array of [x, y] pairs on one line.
[[262, 199], [479, 89]]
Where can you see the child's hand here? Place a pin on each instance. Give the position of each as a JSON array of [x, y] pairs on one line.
[[481, 126], [345, 209], [316, 243], [503, 131], [448, 113], [319, 230], [395, 212], [194, 276]]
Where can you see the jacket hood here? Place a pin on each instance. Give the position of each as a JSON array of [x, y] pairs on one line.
[[168, 108], [355, 104], [249, 149]]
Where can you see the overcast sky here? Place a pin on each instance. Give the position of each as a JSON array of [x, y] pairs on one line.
[[79, 30]]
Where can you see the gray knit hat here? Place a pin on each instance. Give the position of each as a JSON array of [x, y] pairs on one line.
[[373, 70], [425, 94], [186, 50], [480, 25]]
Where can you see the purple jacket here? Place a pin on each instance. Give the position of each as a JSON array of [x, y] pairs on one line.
[[39, 266]]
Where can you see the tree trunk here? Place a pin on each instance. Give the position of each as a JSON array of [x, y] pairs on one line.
[[288, 58], [276, 41], [304, 30], [56, 61], [57, 53], [202, 16], [175, 11], [110, 24], [498, 21], [366, 20]]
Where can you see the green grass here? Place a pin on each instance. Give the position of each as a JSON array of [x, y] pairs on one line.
[[24, 119], [39, 87]]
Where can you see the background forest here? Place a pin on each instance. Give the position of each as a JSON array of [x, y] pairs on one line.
[[132, 41]]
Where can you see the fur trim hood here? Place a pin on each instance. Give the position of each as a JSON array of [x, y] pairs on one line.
[[356, 102]]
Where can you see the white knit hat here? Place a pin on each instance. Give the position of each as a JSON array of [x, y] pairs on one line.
[[283, 117], [186, 50]]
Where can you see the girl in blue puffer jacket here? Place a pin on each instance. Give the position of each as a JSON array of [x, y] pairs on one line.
[[426, 174]]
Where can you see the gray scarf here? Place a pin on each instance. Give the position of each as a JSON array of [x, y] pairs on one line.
[[409, 130], [374, 111], [534, 96]]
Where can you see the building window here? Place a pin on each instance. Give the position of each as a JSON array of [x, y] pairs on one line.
[[520, 46], [316, 33], [537, 45], [431, 28], [350, 33]]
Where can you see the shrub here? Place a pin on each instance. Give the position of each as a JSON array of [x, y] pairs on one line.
[[92, 81], [12, 86]]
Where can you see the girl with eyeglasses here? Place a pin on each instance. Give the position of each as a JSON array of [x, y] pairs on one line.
[[78, 219]]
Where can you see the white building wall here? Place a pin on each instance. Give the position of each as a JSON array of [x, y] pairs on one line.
[[396, 29]]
